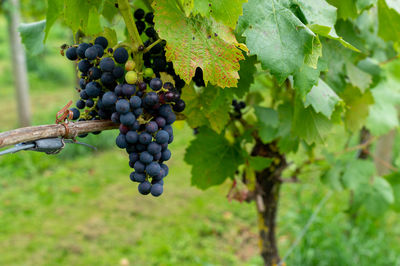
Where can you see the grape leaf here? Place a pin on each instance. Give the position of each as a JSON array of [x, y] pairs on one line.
[[375, 197], [276, 36], [209, 106], [76, 13], [383, 113], [357, 77], [364, 4], [287, 142], [345, 8], [199, 42], [322, 98], [94, 24], [268, 123], [389, 21], [311, 59], [55, 10], [224, 11], [394, 181], [259, 163], [309, 125], [357, 107], [213, 158], [357, 172], [32, 35], [321, 18], [246, 74]]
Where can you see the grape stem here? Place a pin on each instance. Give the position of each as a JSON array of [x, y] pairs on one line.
[[148, 48], [134, 36]]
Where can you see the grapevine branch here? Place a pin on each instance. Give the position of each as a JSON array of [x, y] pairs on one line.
[[27, 134]]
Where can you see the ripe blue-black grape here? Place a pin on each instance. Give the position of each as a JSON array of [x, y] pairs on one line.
[[153, 169], [118, 90], [82, 49], [151, 32], [169, 129], [149, 18], [157, 189], [84, 66], [153, 148], [128, 89], [133, 157], [139, 167], [139, 14], [151, 127], [121, 55], [127, 119], [160, 121], [145, 138], [141, 26], [179, 106], [107, 78], [76, 113], [132, 137], [107, 64], [80, 104], [100, 50], [157, 156], [121, 141], [135, 102], [162, 137], [135, 126], [91, 53], [109, 99], [146, 157], [122, 106], [144, 188], [123, 129], [142, 86], [83, 95], [101, 41], [94, 73], [118, 72], [92, 89], [166, 169], [151, 99], [89, 103], [71, 54], [140, 147], [166, 155], [170, 118], [115, 117], [138, 111], [156, 84], [130, 149], [138, 177]]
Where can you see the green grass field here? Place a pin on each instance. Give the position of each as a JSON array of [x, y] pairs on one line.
[[80, 208]]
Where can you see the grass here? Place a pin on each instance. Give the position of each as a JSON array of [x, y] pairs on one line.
[[80, 208]]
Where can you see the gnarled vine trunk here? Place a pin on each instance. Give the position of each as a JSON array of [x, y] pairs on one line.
[[268, 183]]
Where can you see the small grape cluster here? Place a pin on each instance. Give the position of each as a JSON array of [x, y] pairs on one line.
[[110, 89], [238, 107]]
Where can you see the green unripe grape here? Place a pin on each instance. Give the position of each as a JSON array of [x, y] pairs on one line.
[[131, 77], [148, 73]]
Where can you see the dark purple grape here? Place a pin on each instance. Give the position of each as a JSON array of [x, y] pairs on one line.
[[179, 106], [154, 148], [80, 104], [102, 41], [127, 119], [84, 66], [109, 99], [157, 190], [162, 137], [152, 127], [151, 99], [144, 188], [72, 54], [107, 64], [121, 141], [123, 106], [156, 84], [115, 117], [121, 55], [128, 90], [139, 167], [146, 157], [160, 121], [118, 72], [91, 53], [76, 113], [145, 138], [132, 137], [82, 49], [139, 14]]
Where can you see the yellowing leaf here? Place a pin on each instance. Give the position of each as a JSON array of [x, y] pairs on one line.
[[198, 42]]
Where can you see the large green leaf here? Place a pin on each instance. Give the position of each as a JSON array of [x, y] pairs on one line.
[[389, 20], [383, 113], [346, 8], [213, 158], [246, 74], [357, 107], [268, 123], [323, 99], [357, 172], [208, 106], [321, 18], [32, 35], [198, 42], [225, 11], [394, 180], [276, 36], [55, 9], [358, 78], [309, 125]]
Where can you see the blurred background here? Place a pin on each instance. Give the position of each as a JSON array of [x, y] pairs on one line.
[[80, 208]]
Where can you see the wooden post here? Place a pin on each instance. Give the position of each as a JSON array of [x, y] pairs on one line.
[[18, 64]]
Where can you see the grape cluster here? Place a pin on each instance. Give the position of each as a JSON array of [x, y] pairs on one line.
[[238, 107], [110, 88]]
